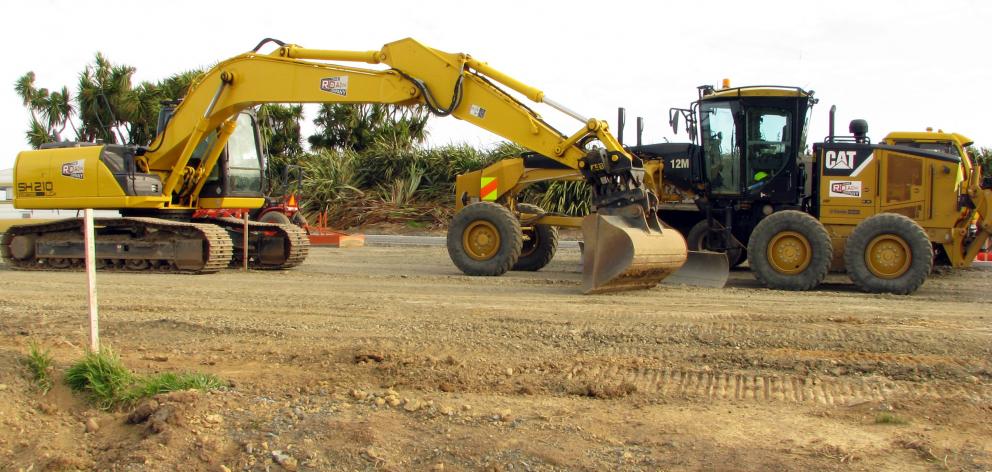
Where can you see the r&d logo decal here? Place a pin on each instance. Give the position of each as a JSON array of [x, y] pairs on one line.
[[840, 159], [73, 169], [335, 85], [845, 188]]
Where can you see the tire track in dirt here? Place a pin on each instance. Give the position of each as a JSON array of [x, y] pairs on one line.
[[731, 386], [869, 339]]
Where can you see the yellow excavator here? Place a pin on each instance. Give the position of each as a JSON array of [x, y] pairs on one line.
[[207, 157]]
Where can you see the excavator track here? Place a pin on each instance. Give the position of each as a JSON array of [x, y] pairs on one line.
[[271, 246], [131, 244]]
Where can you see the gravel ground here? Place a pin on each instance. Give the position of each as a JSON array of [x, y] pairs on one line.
[[387, 358]]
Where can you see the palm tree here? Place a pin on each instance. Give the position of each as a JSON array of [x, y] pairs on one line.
[[50, 111], [105, 97], [176, 86], [403, 127], [139, 108], [358, 127], [280, 127], [38, 134], [107, 105], [58, 112], [94, 110]]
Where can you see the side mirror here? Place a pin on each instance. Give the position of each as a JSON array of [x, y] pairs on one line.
[[674, 121]]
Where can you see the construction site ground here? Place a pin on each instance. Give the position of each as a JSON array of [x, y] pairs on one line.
[[388, 358]]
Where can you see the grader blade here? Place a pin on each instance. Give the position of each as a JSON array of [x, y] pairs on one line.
[[623, 252], [702, 269]]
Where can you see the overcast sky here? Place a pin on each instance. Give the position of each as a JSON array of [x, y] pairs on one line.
[[900, 65]]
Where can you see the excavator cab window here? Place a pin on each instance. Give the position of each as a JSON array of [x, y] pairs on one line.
[[720, 146], [213, 186], [244, 172], [240, 164]]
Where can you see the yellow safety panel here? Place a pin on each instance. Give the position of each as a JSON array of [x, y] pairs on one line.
[[489, 189]]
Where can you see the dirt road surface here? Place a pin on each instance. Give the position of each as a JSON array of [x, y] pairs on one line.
[[387, 358]]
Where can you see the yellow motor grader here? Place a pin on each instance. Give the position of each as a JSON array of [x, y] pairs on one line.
[[884, 212]]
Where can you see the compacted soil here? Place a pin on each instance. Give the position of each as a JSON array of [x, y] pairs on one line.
[[388, 358]]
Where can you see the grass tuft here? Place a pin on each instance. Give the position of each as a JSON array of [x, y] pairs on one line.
[[171, 382], [889, 418], [39, 363], [101, 375], [104, 378]]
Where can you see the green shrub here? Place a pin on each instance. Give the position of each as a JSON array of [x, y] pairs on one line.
[[571, 198], [388, 182], [329, 177]]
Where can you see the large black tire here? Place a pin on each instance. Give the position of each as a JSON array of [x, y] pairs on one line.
[[696, 240], [890, 253], [539, 249], [276, 217], [790, 250], [484, 238]]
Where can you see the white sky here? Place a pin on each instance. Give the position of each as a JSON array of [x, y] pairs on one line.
[[901, 65]]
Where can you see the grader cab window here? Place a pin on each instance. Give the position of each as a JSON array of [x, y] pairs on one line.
[[768, 143], [719, 137]]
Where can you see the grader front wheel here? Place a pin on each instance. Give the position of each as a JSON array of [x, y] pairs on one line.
[[790, 250], [484, 238]]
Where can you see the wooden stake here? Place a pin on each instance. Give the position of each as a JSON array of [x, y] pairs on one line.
[[88, 235], [245, 242]]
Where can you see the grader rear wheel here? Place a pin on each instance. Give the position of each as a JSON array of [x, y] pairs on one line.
[[790, 250], [484, 238], [698, 239], [888, 252], [541, 243]]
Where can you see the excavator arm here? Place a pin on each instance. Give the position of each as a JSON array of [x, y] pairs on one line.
[[447, 83]]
